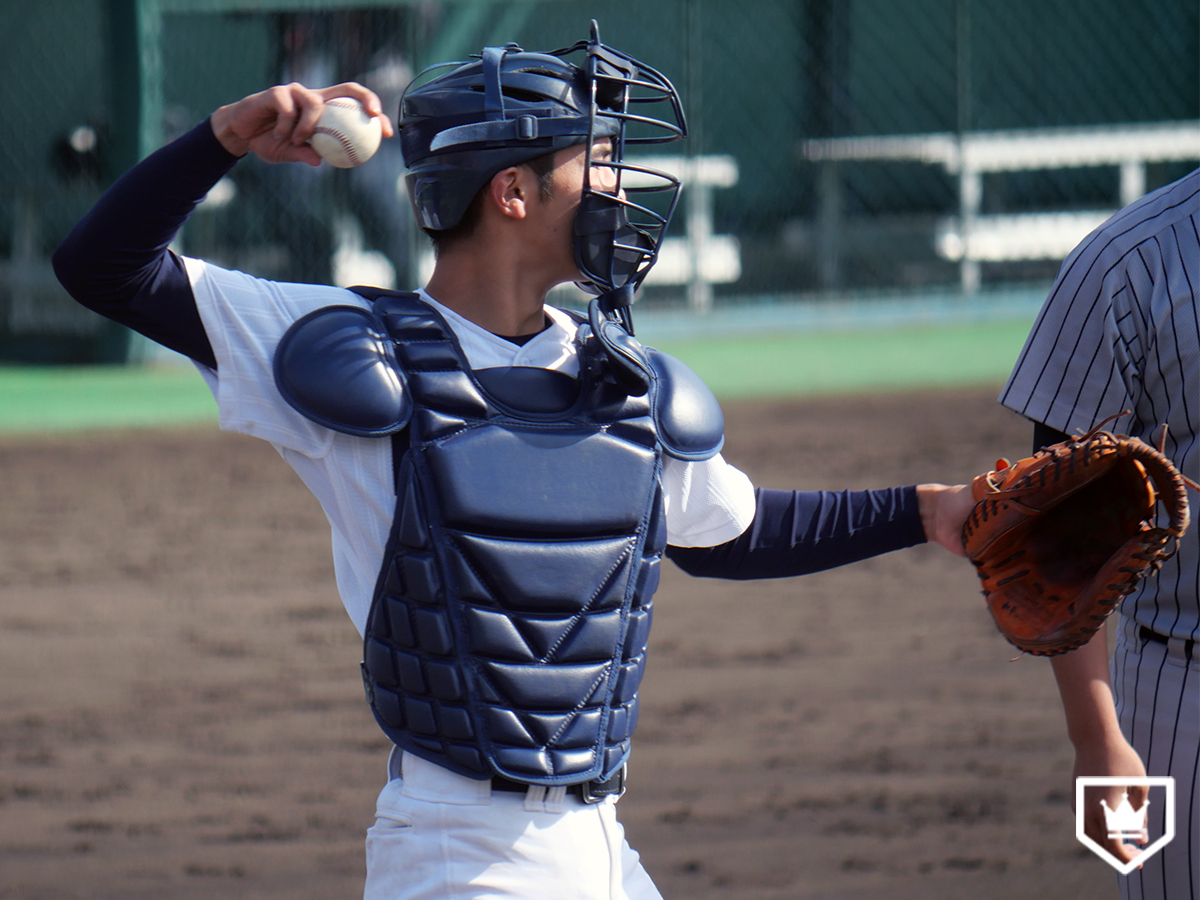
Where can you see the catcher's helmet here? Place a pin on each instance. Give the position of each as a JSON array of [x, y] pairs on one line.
[[507, 106]]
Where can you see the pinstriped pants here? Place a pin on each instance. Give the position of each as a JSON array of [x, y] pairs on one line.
[[1158, 701]]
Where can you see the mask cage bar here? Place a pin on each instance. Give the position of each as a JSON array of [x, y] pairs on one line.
[[648, 217], [624, 74], [613, 69]]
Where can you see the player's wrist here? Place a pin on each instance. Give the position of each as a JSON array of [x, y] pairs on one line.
[[1098, 740], [221, 124], [1096, 733], [1104, 751], [943, 509]]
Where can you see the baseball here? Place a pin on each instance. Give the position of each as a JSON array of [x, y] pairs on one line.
[[346, 135]]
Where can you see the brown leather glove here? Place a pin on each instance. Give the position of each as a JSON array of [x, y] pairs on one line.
[[1059, 538]]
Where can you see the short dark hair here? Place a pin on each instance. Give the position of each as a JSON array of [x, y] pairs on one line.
[[541, 166]]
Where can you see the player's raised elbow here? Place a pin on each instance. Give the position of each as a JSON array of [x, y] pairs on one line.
[[66, 266], [78, 274]]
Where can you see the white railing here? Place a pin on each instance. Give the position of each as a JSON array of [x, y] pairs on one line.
[[970, 237], [700, 259]]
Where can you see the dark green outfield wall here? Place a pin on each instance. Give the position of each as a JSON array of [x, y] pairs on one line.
[[758, 76], [56, 75]]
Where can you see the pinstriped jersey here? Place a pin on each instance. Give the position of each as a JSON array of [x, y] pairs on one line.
[[1119, 332]]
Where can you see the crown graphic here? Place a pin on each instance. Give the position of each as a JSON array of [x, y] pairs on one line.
[[1125, 821]]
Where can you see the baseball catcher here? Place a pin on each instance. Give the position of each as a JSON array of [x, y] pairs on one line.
[[503, 478]]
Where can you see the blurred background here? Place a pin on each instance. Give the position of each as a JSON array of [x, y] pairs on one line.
[[879, 194], [881, 155]]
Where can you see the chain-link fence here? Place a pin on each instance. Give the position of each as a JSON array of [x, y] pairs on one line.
[[835, 145]]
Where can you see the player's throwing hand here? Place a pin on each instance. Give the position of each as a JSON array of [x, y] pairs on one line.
[[277, 123]]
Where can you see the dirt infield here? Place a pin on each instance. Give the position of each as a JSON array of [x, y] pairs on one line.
[[182, 716]]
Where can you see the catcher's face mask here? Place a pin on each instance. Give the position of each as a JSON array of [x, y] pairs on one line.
[[619, 228]]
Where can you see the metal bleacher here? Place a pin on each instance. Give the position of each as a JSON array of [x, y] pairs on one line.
[[699, 259], [972, 238]]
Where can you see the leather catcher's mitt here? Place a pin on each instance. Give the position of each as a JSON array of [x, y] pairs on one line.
[[1059, 538]]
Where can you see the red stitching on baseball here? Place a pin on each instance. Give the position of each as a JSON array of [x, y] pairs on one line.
[[342, 139]]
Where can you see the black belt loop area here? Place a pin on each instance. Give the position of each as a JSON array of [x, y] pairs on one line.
[[1189, 645], [588, 791]]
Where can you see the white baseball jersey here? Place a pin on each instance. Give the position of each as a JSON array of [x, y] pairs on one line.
[[707, 503], [1119, 331]]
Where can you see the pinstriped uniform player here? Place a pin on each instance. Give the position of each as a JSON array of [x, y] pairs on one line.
[[1120, 331]]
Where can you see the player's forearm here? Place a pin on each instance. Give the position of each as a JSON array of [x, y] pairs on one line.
[[116, 260], [1086, 692], [798, 532]]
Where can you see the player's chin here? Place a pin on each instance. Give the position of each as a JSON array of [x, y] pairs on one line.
[[569, 275]]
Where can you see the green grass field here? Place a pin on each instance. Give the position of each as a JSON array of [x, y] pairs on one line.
[[849, 361], [785, 363], [86, 397]]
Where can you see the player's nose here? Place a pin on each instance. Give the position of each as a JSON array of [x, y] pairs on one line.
[[604, 178]]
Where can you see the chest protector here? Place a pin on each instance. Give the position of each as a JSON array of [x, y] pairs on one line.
[[507, 632]]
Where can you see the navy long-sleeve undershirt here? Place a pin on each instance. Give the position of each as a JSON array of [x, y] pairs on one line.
[[117, 262], [798, 532]]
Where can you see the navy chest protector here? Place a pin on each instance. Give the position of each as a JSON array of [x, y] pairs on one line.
[[507, 632]]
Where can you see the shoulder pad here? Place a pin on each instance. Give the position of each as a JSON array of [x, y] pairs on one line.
[[690, 423], [335, 366]]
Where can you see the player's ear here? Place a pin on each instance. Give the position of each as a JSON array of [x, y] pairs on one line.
[[509, 193]]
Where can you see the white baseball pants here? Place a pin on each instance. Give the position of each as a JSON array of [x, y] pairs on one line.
[[441, 836]]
